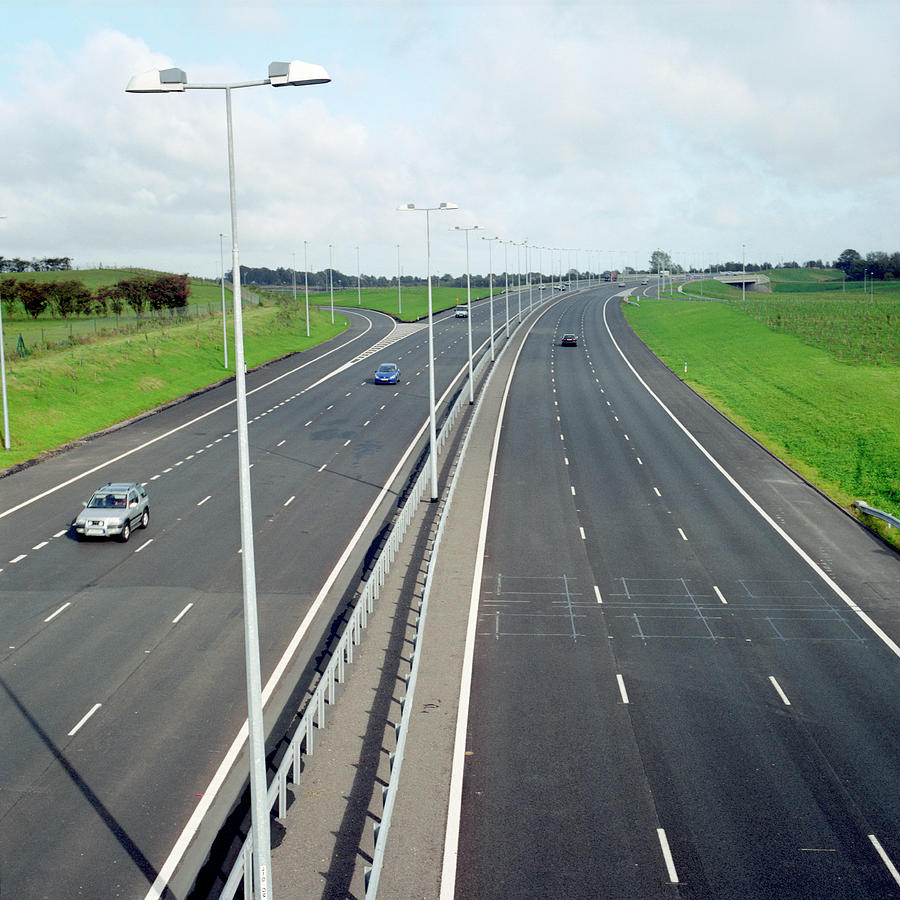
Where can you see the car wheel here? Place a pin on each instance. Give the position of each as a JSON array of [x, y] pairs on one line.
[[126, 532], [145, 518]]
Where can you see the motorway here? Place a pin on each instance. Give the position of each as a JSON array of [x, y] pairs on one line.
[[122, 666], [685, 675]]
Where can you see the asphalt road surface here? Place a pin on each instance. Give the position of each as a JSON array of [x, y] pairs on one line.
[[122, 687], [685, 678]]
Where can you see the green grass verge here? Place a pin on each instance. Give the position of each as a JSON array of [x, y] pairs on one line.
[[59, 397], [835, 423], [413, 300], [853, 326]]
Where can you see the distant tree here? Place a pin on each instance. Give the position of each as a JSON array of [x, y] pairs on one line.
[[9, 294], [660, 260], [65, 297], [168, 292], [34, 297], [133, 291], [877, 264], [845, 261], [107, 297]]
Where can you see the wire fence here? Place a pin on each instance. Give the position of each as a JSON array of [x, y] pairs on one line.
[[32, 337]]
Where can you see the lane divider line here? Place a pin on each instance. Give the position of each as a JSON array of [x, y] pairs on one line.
[[84, 718]]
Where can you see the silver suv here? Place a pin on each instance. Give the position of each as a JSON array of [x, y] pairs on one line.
[[115, 509]]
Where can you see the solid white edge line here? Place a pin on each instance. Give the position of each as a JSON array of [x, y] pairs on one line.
[[885, 858], [667, 855], [84, 718], [885, 638], [781, 693]]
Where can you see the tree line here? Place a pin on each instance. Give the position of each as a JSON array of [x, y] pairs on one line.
[[876, 265], [49, 264], [320, 281], [71, 297]]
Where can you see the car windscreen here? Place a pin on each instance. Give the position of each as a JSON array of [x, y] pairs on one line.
[[107, 501]]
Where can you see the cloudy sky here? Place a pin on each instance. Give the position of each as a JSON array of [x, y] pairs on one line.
[[708, 129]]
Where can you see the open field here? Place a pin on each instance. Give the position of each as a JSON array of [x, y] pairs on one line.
[[833, 421], [853, 326], [59, 397]]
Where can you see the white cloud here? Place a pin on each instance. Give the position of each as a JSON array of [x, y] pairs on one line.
[[688, 125]]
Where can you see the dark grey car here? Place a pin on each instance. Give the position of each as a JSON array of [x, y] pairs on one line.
[[114, 511]]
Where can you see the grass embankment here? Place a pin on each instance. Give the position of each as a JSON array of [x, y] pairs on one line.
[[853, 325], [48, 331], [59, 397], [412, 305], [793, 388]]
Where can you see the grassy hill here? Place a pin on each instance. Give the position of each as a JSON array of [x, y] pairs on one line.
[[801, 280]]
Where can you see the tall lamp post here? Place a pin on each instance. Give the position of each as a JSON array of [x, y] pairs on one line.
[[224, 320], [174, 80], [306, 282], [399, 290], [528, 278], [3, 381], [743, 272], [491, 283], [469, 303], [432, 430], [358, 284], [331, 278], [506, 275], [518, 244]]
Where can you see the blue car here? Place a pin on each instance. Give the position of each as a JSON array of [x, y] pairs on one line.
[[387, 373]]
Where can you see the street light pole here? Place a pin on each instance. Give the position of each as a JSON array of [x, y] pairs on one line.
[[506, 275], [331, 278], [432, 429], [491, 283], [6, 440], [399, 292], [224, 320], [743, 272], [469, 305], [306, 282], [175, 80], [358, 285], [528, 279]]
